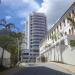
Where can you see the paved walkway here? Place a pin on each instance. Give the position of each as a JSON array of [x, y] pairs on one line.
[[68, 67]]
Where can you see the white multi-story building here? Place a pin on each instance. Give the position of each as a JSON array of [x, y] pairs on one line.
[[37, 28], [25, 53], [58, 44]]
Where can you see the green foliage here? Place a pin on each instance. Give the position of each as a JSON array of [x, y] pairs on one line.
[[9, 40], [16, 35], [5, 40], [72, 43], [14, 52], [7, 25]]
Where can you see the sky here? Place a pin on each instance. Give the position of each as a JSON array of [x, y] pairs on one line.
[[17, 11]]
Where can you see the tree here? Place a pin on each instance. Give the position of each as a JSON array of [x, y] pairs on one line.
[[7, 25], [12, 48], [18, 37], [5, 40], [9, 43], [9, 40]]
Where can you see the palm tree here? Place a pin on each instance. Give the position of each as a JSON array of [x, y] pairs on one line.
[[6, 25]]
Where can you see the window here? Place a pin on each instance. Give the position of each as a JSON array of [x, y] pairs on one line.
[[26, 53], [69, 31], [35, 46], [72, 30], [35, 50], [72, 11], [37, 35], [48, 37], [69, 14], [64, 22], [60, 26], [57, 28], [25, 57], [52, 32], [65, 33], [35, 42], [68, 21], [31, 46]]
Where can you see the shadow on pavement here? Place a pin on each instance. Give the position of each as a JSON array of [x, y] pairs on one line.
[[39, 71]]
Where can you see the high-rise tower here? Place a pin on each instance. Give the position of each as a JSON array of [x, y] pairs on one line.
[[37, 28]]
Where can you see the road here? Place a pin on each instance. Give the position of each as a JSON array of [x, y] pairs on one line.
[[41, 69]]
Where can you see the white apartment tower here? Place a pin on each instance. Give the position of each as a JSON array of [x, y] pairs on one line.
[[37, 28]]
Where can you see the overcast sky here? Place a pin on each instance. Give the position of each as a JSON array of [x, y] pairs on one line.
[[17, 11], [54, 9]]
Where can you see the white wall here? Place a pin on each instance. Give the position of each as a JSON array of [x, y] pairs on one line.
[[69, 56], [6, 57], [0, 52]]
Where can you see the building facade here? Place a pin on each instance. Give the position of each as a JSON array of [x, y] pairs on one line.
[[37, 28], [24, 49], [59, 43]]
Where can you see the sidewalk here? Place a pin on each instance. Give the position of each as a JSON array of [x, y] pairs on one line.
[[68, 67], [10, 71]]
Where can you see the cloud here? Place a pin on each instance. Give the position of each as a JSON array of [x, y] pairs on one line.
[[8, 17], [23, 22], [54, 9], [21, 8]]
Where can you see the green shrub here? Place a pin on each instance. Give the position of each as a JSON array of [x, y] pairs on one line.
[[72, 43]]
